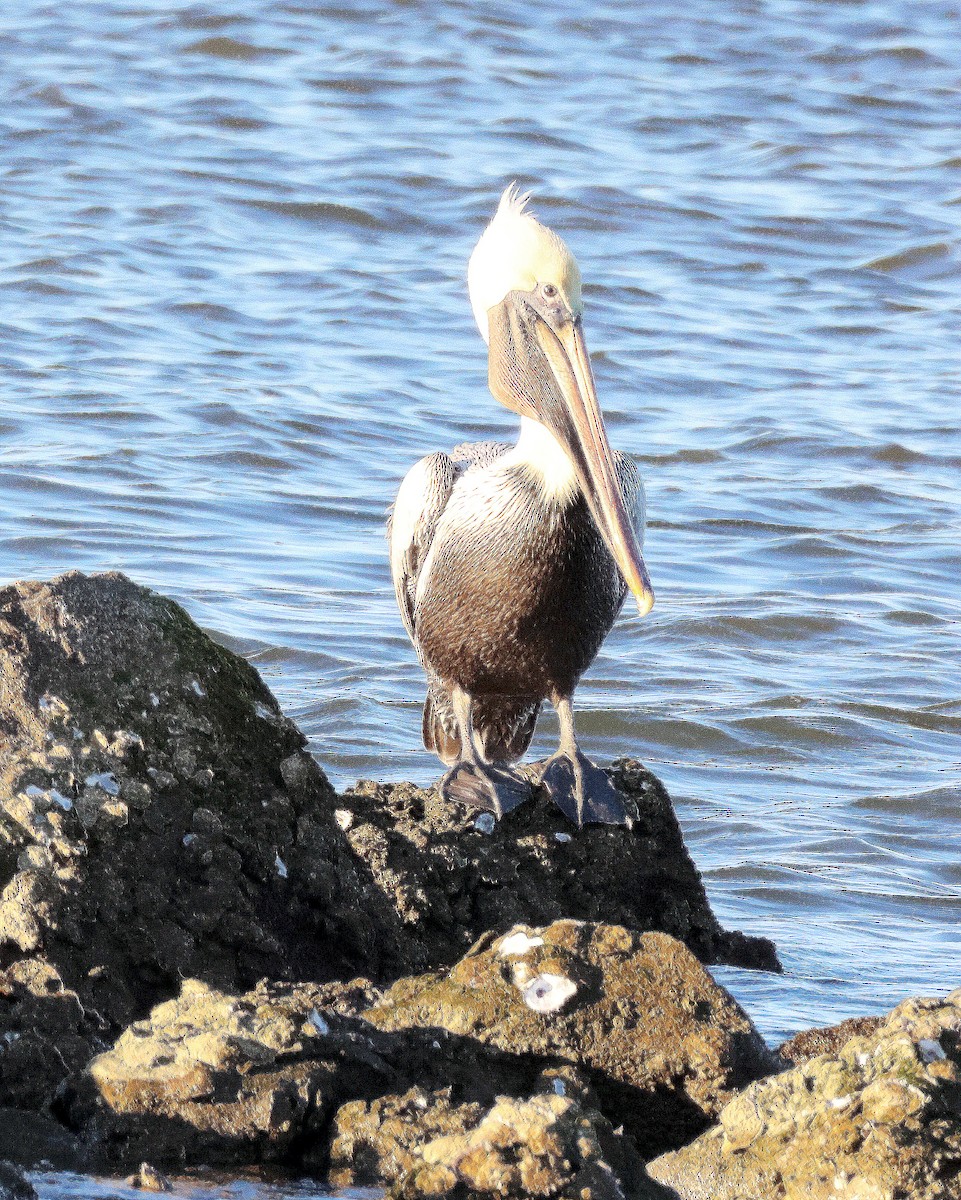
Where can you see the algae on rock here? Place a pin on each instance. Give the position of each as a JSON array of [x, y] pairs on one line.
[[258, 1077], [547, 1148], [664, 1047], [877, 1119]]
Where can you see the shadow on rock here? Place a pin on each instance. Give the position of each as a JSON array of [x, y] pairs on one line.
[[158, 818], [453, 875], [662, 1046]]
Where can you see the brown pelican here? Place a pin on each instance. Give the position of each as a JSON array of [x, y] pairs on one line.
[[510, 563]]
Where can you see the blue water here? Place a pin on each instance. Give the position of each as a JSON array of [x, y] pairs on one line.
[[233, 312], [66, 1185]]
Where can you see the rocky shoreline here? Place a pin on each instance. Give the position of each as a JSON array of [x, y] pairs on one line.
[[207, 956]]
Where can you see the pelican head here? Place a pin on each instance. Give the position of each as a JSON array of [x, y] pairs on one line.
[[525, 290]]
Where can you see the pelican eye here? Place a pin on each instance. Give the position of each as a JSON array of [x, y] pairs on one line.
[[548, 290]]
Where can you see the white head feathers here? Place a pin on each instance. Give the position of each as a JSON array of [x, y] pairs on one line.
[[517, 252]]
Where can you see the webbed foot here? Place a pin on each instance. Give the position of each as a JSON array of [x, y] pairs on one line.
[[583, 792], [494, 789]]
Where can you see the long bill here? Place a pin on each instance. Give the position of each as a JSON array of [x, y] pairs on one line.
[[573, 415]]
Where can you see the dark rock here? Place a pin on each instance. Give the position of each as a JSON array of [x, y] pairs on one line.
[[158, 818], [34, 1140], [161, 819], [13, 1184], [879, 1117], [46, 1034], [662, 1045], [450, 879], [827, 1040]]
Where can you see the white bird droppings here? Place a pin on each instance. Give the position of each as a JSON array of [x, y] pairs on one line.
[[344, 818], [518, 943], [931, 1050], [198, 690], [560, 1088], [485, 823], [106, 781], [562, 837], [261, 710], [281, 866], [318, 1022], [547, 993]]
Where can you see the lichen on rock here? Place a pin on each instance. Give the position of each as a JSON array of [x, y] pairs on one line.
[[222, 1078], [880, 1117], [379, 1140], [546, 1147], [664, 1047]]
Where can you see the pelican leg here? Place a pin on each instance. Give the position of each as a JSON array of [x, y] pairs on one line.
[[477, 783], [582, 791]]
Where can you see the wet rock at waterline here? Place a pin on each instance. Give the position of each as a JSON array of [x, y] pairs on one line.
[[13, 1184], [158, 818], [809, 1043], [877, 1119], [35, 1138], [662, 1045], [452, 874], [148, 1179]]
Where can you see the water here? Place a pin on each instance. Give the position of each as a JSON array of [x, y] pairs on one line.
[[65, 1185], [233, 313]]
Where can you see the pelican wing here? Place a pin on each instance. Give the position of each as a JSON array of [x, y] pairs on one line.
[[420, 502], [419, 505]]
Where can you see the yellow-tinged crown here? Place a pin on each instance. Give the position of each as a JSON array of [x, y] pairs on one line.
[[517, 252]]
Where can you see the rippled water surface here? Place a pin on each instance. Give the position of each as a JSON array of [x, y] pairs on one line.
[[65, 1185], [233, 312]]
